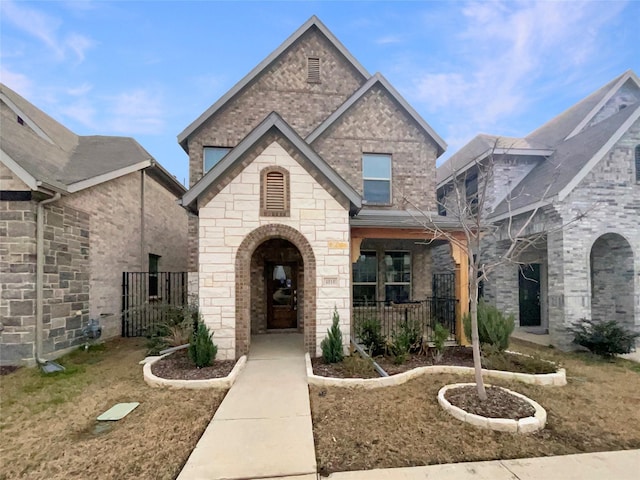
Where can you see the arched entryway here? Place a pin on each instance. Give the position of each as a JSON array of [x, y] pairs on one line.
[[275, 285], [612, 289]]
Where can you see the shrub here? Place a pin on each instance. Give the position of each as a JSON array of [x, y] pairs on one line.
[[440, 335], [174, 330], [369, 333], [202, 350], [604, 338], [404, 341], [332, 344], [494, 328]]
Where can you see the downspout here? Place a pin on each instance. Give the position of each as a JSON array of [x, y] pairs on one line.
[[40, 273], [142, 213]]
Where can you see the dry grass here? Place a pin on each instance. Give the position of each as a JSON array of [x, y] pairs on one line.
[[49, 431], [404, 425]]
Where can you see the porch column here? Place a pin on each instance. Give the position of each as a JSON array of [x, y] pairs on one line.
[[462, 288]]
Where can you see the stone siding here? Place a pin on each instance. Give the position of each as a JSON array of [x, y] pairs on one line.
[[321, 226]]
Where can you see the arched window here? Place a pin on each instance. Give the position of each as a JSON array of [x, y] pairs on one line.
[[638, 163], [274, 192]]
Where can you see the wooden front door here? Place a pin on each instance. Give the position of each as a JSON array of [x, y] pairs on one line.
[[529, 286], [282, 290]]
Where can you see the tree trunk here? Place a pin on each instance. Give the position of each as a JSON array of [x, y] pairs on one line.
[[475, 339]]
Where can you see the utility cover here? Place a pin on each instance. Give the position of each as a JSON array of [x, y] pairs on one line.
[[118, 411]]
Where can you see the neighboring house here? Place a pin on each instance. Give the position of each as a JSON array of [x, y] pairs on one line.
[[300, 174], [105, 206], [584, 161]]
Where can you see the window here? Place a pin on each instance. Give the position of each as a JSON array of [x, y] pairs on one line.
[[638, 163], [376, 176], [365, 278], [212, 155], [397, 285], [471, 189], [313, 70], [154, 261], [274, 192]]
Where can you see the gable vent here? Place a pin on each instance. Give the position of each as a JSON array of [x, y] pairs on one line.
[[275, 192], [313, 70], [638, 163]]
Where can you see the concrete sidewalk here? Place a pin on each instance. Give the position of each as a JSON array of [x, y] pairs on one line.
[[262, 429], [622, 465]]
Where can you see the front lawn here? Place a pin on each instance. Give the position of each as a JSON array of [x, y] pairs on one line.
[[404, 425], [49, 429]]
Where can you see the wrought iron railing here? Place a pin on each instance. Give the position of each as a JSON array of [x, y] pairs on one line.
[[150, 298], [421, 315]]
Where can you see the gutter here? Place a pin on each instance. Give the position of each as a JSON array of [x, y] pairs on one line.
[[40, 274]]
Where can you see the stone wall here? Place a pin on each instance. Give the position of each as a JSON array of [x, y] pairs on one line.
[[321, 226]]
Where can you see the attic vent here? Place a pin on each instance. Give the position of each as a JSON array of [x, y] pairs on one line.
[[638, 163], [274, 191], [313, 70], [20, 120]]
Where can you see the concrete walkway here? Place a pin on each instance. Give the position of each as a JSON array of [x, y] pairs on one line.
[[623, 465], [262, 429]]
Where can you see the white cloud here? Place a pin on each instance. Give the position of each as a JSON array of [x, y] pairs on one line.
[[136, 111], [388, 39], [17, 81], [46, 29], [506, 54]]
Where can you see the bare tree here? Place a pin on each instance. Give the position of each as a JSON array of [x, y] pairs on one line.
[[467, 199]]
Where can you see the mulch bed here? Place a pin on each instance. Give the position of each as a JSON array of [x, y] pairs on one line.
[[178, 366], [499, 403], [459, 356], [340, 370]]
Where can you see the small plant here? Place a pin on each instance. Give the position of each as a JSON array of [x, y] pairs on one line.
[[440, 335], [357, 367], [369, 333], [494, 328], [332, 344], [405, 340], [604, 338], [202, 350]]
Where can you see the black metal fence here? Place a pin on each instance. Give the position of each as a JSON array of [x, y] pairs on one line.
[[444, 285], [422, 315], [148, 298]]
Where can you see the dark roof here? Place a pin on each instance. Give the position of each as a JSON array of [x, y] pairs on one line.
[[313, 22], [402, 219], [271, 122], [55, 156], [571, 157], [378, 79]]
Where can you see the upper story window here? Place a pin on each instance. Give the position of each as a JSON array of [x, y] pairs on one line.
[[274, 192], [638, 163], [212, 155], [471, 191], [376, 178], [313, 70]]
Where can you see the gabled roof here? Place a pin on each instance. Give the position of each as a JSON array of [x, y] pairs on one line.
[[574, 119], [479, 148], [273, 121], [44, 153], [570, 163], [378, 79], [313, 22]]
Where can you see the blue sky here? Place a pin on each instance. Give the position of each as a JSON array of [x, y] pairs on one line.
[[148, 69]]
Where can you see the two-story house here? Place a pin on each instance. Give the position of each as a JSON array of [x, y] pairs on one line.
[[298, 181], [576, 181]]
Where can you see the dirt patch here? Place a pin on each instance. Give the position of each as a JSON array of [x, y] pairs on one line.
[[353, 366], [404, 426], [7, 369], [178, 366], [49, 427], [499, 403]]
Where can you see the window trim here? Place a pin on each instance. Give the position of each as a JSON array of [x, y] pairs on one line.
[[637, 162], [377, 271], [409, 283], [267, 212], [204, 156], [390, 179]]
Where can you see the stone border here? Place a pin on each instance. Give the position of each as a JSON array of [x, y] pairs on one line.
[[218, 383], [522, 426], [557, 379]]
